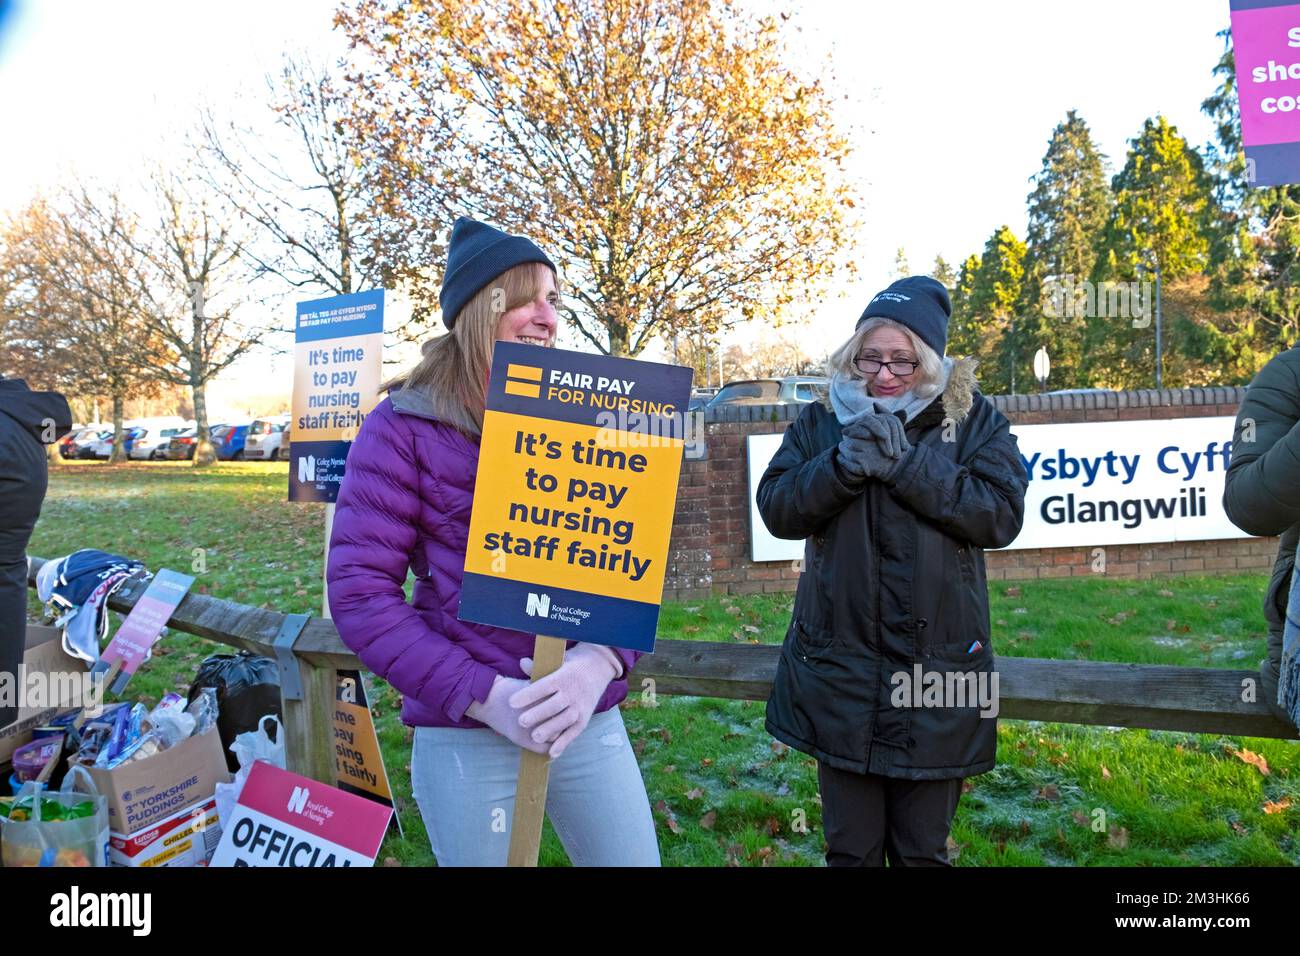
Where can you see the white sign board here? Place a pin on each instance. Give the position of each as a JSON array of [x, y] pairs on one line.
[[1094, 483]]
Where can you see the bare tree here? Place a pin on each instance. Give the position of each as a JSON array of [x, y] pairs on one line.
[[199, 283], [299, 182]]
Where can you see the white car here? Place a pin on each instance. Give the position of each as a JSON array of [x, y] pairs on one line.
[[265, 439], [151, 445]]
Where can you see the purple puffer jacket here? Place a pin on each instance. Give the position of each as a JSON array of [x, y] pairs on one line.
[[404, 502]]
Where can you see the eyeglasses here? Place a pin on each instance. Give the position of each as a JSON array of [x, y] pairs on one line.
[[900, 369]]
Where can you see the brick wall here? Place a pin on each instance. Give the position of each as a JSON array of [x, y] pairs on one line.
[[709, 552]]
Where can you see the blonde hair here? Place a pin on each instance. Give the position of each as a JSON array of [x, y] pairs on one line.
[[929, 374], [453, 372]]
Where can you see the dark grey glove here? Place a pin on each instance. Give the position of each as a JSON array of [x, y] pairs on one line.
[[886, 428], [873, 446]]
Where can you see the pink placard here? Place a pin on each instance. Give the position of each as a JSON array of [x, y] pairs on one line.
[[1266, 44], [325, 812]]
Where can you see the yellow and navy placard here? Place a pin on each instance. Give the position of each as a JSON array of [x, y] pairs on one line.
[[573, 504]]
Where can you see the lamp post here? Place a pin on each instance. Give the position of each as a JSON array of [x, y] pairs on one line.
[[1154, 262]]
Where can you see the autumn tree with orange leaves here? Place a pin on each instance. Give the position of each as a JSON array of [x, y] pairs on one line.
[[678, 171]]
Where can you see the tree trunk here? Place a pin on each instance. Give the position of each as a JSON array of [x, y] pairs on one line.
[[118, 453], [204, 453], [617, 337]]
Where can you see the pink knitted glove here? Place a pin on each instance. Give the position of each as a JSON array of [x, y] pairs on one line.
[[497, 713], [558, 706]]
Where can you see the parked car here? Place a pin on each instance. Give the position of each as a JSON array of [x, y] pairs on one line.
[[71, 443], [152, 444], [266, 439], [88, 446], [103, 448], [181, 447], [793, 389], [700, 397], [229, 441]]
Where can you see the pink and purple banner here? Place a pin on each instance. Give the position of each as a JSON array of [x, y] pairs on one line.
[[1266, 45], [142, 626]]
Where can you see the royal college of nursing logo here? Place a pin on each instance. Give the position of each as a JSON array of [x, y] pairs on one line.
[[539, 605]]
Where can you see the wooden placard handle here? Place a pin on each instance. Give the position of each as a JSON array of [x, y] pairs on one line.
[[534, 770]]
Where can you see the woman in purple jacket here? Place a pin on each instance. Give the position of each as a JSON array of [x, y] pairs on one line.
[[404, 504]]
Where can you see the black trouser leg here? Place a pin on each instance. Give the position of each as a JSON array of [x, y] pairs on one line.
[[919, 818], [868, 818], [853, 816], [23, 478]]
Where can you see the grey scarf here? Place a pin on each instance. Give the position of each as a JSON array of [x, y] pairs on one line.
[[850, 400]]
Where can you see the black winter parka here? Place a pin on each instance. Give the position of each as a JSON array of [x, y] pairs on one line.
[[893, 578]]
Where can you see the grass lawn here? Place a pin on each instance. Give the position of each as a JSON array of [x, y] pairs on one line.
[[723, 791]]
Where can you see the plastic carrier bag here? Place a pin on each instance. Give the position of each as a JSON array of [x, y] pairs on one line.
[[249, 747], [44, 828]]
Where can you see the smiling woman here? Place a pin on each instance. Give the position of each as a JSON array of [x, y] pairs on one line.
[[404, 505]]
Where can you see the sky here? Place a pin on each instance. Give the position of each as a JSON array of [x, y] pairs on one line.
[[949, 105]]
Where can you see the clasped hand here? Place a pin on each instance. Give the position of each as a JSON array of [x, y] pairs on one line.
[[545, 716], [873, 446]]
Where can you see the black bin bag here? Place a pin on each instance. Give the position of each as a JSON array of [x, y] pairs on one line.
[[248, 688]]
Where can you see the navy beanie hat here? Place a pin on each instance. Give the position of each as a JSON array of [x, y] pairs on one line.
[[476, 254], [919, 303]]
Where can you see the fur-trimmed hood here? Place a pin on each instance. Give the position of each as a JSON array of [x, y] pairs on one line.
[[958, 394]]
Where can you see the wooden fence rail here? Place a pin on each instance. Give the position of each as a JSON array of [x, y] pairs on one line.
[[1157, 697]]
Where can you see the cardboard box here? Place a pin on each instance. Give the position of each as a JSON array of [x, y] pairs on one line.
[[143, 793], [43, 653], [188, 837]]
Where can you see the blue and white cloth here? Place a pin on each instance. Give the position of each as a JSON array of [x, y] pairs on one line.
[[76, 587]]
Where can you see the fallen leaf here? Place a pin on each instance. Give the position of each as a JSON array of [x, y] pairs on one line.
[[1165, 592], [954, 849], [1012, 592], [1248, 756], [1277, 806], [671, 768], [1238, 827], [706, 762], [1118, 837], [1049, 792], [772, 826], [708, 819], [694, 793], [752, 629], [1105, 774], [391, 861], [1080, 818], [732, 609]]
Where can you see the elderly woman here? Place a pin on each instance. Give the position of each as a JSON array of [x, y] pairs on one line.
[[899, 482]]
